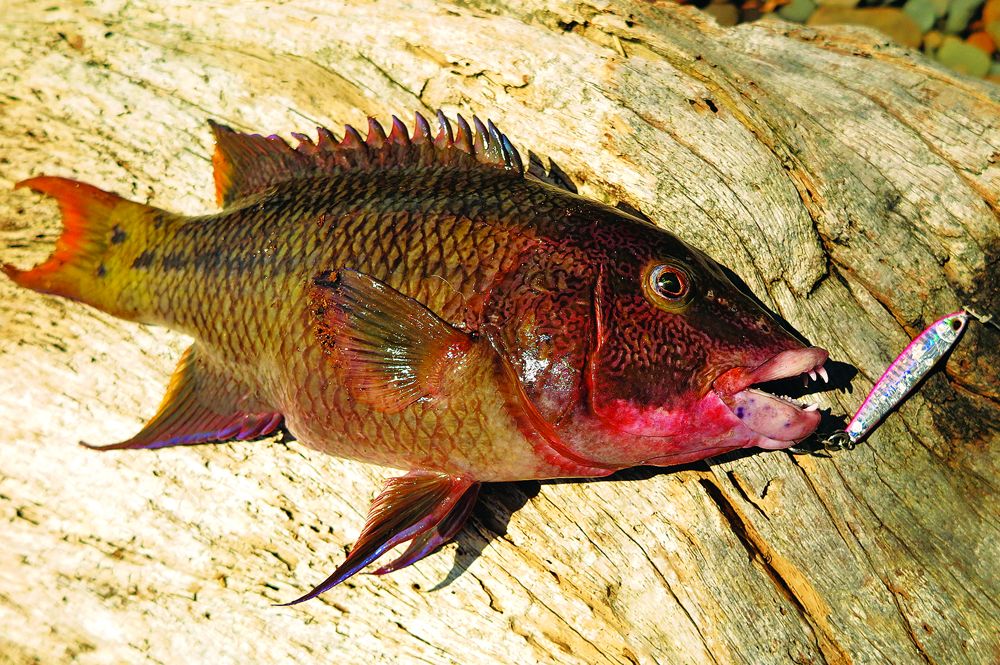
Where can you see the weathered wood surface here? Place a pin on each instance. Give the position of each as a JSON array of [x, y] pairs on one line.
[[853, 185]]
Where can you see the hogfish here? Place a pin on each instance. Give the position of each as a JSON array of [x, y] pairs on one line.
[[429, 303]]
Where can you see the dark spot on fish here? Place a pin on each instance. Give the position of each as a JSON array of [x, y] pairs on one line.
[[101, 270], [173, 262], [740, 411], [711, 104], [144, 260], [117, 235], [328, 279], [207, 261]]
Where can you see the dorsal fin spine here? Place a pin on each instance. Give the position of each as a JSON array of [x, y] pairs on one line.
[[463, 137], [376, 135], [481, 135], [398, 135], [513, 158], [249, 163], [422, 128], [444, 136], [325, 139], [352, 139]]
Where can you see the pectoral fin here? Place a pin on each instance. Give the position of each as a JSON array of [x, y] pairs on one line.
[[393, 350], [202, 405], [410, 506]]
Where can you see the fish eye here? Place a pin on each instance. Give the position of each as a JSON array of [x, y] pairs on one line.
[[956, 324], [669, 282]]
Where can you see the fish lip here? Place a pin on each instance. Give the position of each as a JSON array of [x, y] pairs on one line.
[[779, 421], [783, 365]]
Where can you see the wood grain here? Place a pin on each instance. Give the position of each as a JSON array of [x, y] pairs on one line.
[[851, 183]]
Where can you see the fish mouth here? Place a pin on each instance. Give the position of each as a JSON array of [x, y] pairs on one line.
[[781, 420]]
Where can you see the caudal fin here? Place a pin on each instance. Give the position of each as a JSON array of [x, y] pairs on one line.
[[94, 223]]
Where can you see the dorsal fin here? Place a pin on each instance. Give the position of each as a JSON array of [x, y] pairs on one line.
[[554, 176], [249, 163]]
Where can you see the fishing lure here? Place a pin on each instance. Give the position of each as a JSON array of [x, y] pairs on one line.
[[905, 372]]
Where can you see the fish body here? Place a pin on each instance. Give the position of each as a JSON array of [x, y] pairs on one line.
[[429, 304]]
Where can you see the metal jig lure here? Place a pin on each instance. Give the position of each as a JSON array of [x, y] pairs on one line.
[[905, 372]]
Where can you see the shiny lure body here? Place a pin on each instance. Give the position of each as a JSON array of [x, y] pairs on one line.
[[905, 372], [427, 302]]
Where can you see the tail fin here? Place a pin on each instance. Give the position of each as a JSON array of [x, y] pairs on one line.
[[93, 222]]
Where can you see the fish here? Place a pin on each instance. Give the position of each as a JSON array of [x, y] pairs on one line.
[[431, 303]]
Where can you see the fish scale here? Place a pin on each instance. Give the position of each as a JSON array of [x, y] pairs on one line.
[[427, 303], [374, 249]]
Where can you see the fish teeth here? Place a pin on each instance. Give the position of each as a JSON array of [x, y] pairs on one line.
[[797, 402], [812, 374], [822, 372]]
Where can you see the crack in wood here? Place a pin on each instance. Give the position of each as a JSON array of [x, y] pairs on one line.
[[788, 581], [893, 595], [666, 585]]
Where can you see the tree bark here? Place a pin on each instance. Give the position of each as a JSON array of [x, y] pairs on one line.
[[852, 184]]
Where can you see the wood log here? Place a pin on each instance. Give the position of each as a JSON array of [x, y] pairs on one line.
[[851, 183]]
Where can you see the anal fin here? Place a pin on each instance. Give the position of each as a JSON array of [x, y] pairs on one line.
[[423, 506], [202, 405]]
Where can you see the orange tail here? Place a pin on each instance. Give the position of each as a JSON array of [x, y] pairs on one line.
[[85, 265]]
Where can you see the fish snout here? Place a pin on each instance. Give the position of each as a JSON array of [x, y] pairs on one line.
[[779, 420]]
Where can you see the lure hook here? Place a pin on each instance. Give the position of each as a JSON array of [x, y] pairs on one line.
[[837, 440]]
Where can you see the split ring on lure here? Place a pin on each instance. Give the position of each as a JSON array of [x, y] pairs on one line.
[[905, 372]]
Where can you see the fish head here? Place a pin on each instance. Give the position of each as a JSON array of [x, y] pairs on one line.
[[677, 351], [669, 354]]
